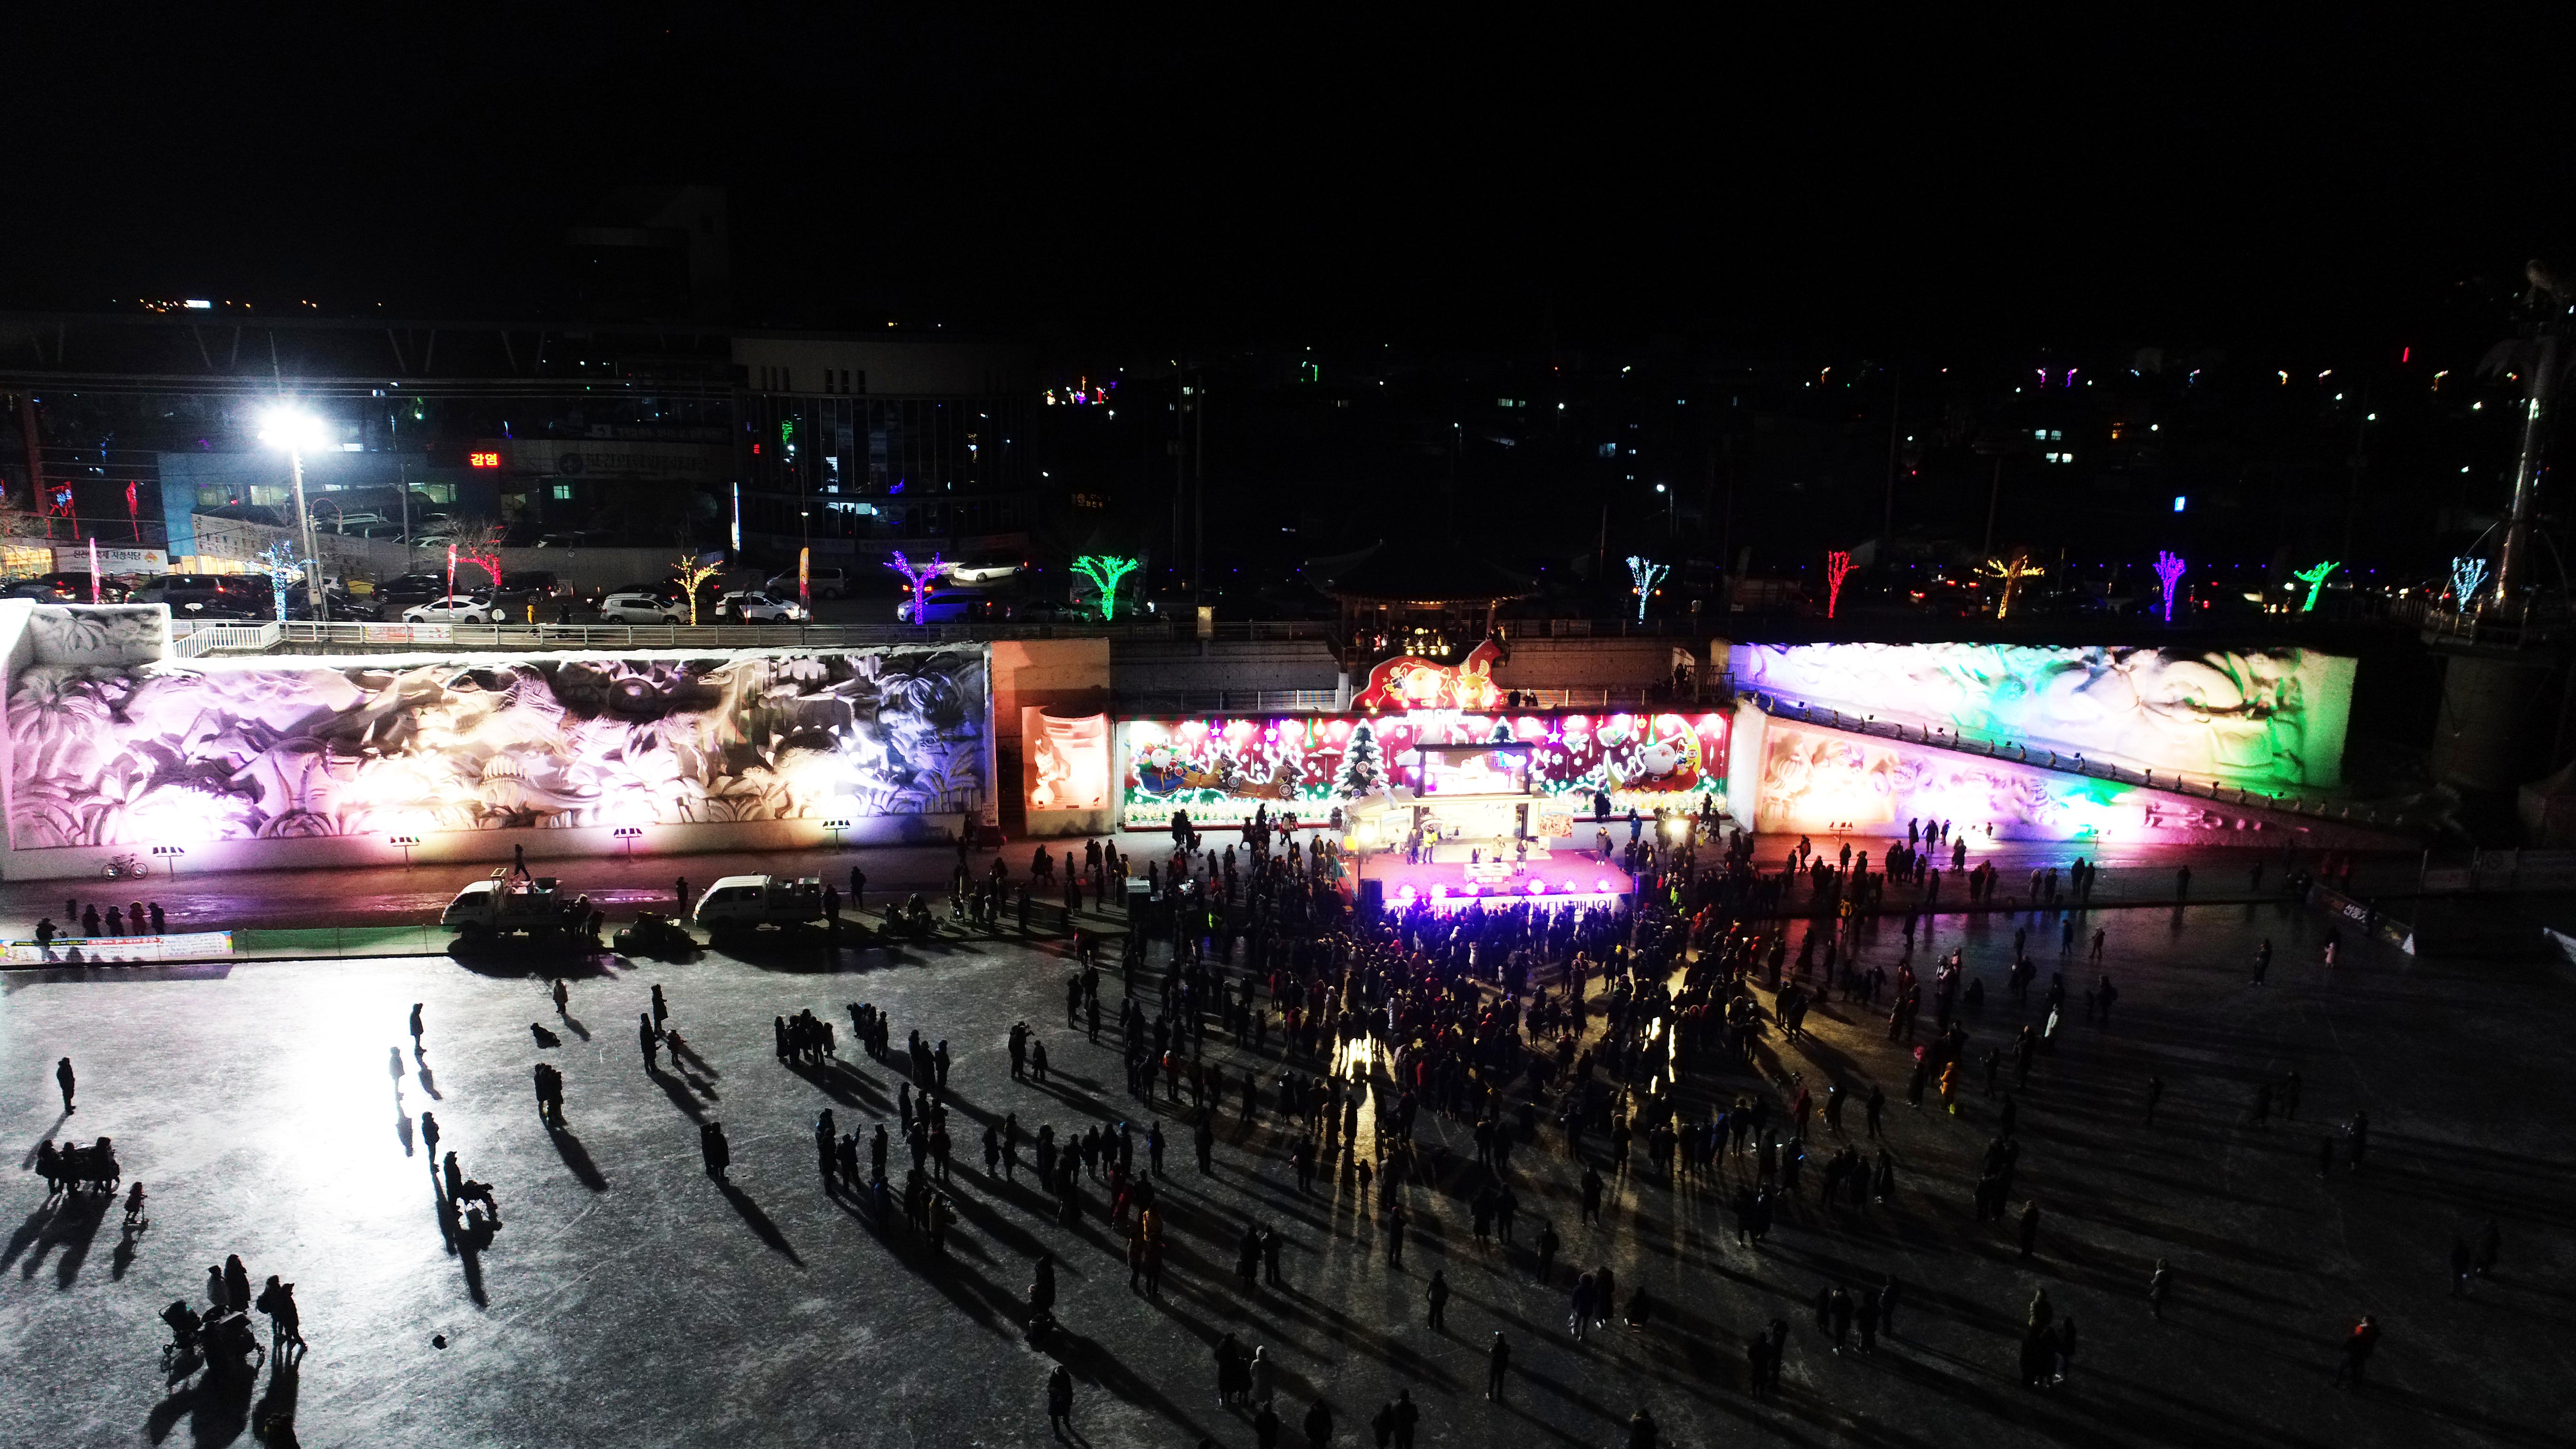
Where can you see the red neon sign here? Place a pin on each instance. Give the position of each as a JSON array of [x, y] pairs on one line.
[[482, 460]]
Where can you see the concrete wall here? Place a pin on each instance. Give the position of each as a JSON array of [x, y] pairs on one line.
[[1061, 676], [1612, 663], [1170, 666]]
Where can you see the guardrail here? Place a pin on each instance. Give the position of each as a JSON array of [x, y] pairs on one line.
[[197, 640], [2314, 805]]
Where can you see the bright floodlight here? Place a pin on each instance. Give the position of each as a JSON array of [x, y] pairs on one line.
[[291, 428]]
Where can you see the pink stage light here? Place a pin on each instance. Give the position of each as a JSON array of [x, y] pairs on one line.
[[1537, 887]]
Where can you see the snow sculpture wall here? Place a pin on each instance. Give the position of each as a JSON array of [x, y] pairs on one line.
[[2252, 718], [106, 752], [1819, 781]]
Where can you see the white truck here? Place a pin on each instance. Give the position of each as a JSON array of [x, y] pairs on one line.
[[509, 903], [740, 903]]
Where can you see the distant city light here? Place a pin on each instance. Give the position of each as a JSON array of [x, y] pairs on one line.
[[2179, 500]]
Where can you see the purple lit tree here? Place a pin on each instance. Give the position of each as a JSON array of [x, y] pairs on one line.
[[919, 576], [2169, 567]]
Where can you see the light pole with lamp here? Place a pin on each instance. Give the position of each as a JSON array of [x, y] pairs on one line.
[[171, 853], [627, 835], [406, 844], [295, 430]]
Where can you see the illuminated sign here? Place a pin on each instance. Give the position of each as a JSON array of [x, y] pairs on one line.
[[482, 460]]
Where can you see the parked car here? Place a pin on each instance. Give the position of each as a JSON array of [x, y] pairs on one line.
[[753, 607], [946, 605], [992, 572], [396, 594], [832, 583], [214, 596], [478, 608], [534, 584], [69, 588], [639, 607], [353, 522]]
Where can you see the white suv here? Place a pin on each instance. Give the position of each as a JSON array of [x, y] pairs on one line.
[[642, 609], [754, 607], [470, 608]]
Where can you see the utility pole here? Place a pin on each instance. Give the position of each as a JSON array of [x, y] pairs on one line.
[[1994, 495], [1895, 412], [2540, 395], [2360, 442], [1180, 463], [1198, 493]]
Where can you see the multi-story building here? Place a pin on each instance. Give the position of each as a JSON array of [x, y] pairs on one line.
[[861, 446], [132, 427]]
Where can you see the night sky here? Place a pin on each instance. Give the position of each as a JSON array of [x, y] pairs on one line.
[[2061, 180]]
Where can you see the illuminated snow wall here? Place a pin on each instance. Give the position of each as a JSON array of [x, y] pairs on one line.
[[1817, 781], [109, 752], [2259, 719], [1222, 770]]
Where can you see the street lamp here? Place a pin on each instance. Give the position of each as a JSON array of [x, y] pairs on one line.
[[406, 843], [627, 835], [169, 852], [289, 427]]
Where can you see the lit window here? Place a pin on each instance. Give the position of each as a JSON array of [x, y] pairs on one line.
[[2179, 500], [563, 492]]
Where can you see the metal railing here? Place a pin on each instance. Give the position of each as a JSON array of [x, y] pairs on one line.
[[2311, 804], [191, 641]]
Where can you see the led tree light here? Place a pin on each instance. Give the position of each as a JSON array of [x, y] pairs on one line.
[[919, 576], [693, 572], [2169, 567], [2012, 572], [2468, 575], [283, 568], [1838, 567], [1646, 572], [1104, 570], [2315, 579]]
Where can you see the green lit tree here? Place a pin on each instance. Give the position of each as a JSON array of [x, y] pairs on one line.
[[1104, 570]]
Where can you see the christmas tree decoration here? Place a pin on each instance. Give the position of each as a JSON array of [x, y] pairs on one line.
[[1363, 771]]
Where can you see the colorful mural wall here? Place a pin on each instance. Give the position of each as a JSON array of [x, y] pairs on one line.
[[2258, 719], [125, 754], [1819, 781], [1222, 770]]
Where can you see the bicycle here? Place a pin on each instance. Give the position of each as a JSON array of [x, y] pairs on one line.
[[126, 867]]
